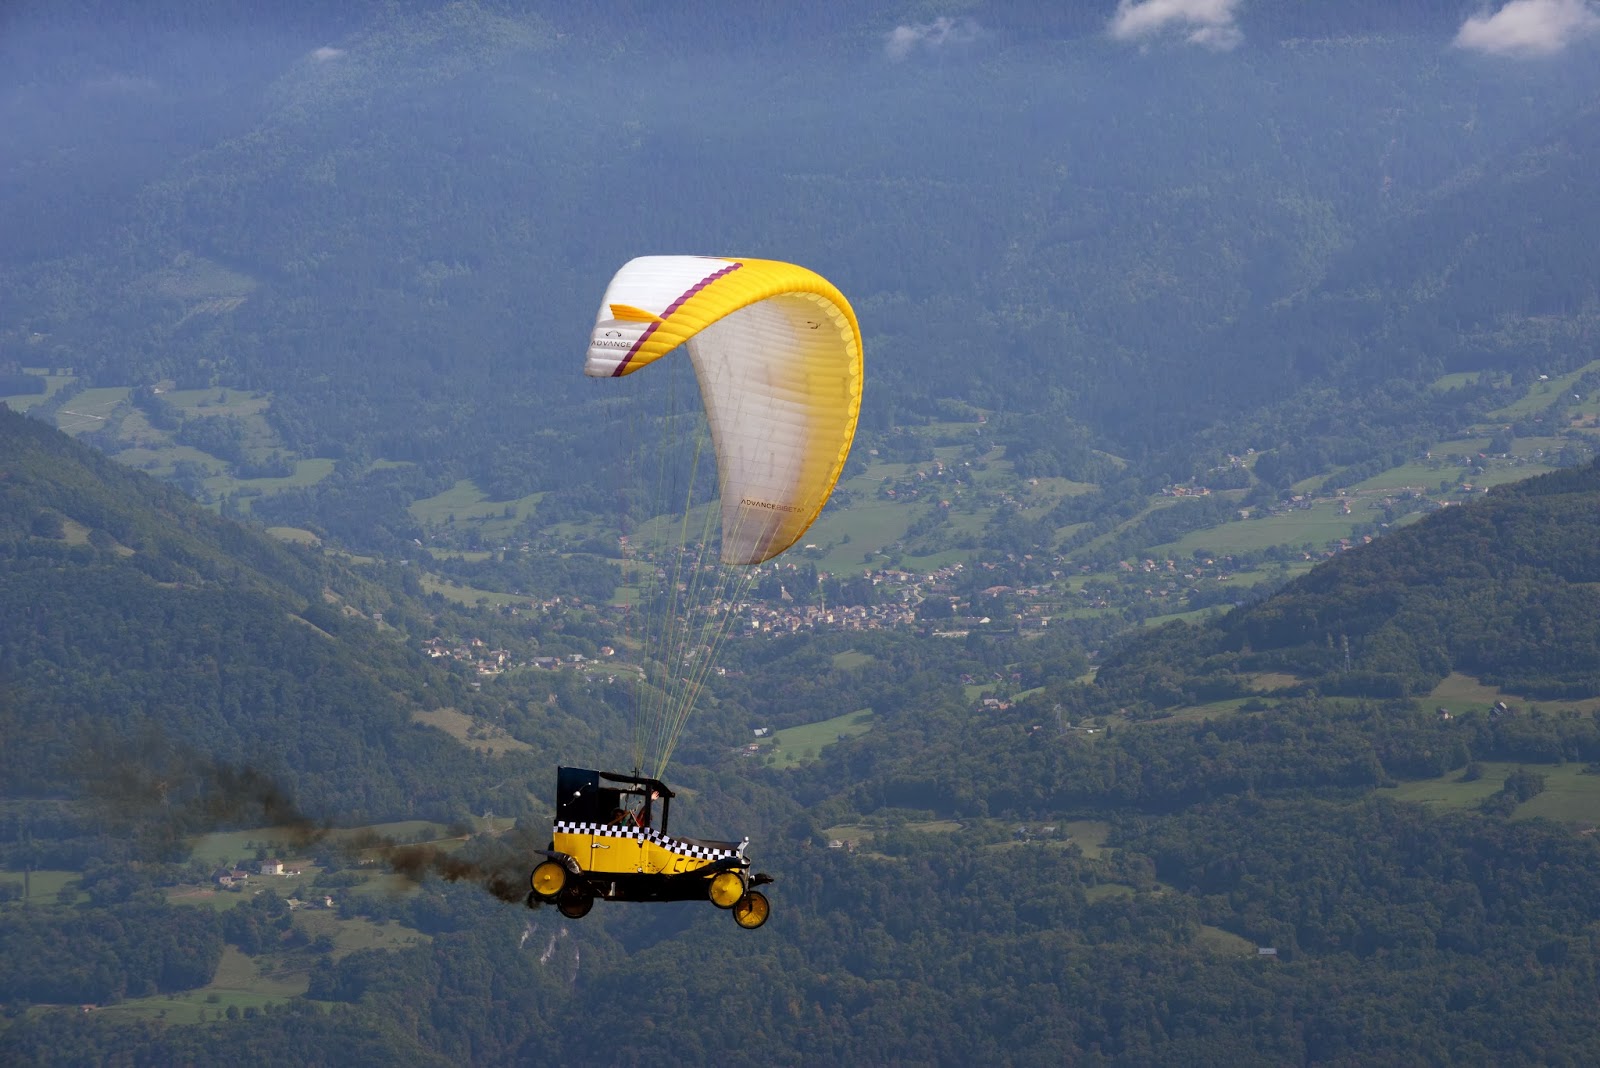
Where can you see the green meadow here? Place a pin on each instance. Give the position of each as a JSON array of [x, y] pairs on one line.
[[242, 983], [464, 501], [21, 402], [42, 886], [306, 473], [470, 595], [796, 745], [91, 410], [1542, 394], [1571, 793], [854, 533], [1463, 693], [1316, 526]]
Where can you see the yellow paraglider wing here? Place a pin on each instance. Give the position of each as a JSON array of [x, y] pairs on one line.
[[777, 353]]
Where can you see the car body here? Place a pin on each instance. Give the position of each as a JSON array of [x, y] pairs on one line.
[[610, 841]]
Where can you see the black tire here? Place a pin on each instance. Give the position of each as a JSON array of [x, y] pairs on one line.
[[575, 903]]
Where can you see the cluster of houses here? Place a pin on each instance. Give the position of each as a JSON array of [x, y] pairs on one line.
[[913, 486], [764, 618], [228, 878], [1498, 710], [238, 877], [476, 654]]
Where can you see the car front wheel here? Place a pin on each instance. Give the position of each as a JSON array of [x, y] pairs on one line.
[[752, 910]]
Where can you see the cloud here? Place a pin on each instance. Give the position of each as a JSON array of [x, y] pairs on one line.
[[325, 53], [1530, 27], [933, 36], [1207, 23]]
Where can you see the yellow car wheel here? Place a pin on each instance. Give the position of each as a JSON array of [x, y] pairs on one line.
[[726, 889], [752, 910], [548, 879]]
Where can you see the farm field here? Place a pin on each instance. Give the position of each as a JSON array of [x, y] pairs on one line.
[[1463, 693], [869, 526], [162, 460], [248, 984], [91, 409], [1224, 943], [464, 501], [306, 473], [1571, 793], [240, 984], [296, 535], [1323, 522], [469, 732], [1267, 681], [53, 383], [1500, 475], [1542, 394], [194, 403], [795, 745], [469, 595], [1106, 891], [1445, 383], [43, 886], [1089, 835]]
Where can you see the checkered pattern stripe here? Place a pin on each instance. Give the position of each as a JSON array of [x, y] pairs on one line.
[[643, 834]]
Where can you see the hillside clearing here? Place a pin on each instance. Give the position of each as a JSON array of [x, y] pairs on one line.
[[484, 737]]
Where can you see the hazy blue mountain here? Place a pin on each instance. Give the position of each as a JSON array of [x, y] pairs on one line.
[[399, 219]]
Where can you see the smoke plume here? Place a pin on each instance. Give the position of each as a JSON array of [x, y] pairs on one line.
[[158, 801]]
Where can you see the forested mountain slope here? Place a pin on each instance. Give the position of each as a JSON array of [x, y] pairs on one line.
[[1014, 890], [131, 618], [1505, 588]]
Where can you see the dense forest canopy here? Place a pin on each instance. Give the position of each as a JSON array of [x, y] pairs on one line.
[[1503, 590]]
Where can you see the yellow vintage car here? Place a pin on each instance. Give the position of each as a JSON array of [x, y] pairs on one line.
[[611, 841]]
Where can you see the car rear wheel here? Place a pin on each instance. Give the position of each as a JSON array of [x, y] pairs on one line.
[[549, 879], [752, 910], [575, 903]]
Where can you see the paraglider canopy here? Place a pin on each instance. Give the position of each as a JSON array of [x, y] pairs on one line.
[[777, 359], [777, 354]]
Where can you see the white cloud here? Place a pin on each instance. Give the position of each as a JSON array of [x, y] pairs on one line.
[[1530, 27], [1208, 23], [325, 53], [942, 32]]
